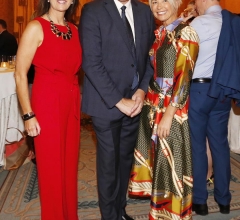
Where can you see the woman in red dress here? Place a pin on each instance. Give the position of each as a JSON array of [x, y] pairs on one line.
[[52, 117]]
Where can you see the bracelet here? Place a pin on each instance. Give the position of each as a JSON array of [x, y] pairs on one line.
[[28, 116]]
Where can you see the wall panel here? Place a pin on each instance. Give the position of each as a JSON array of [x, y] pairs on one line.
[[6, 13]]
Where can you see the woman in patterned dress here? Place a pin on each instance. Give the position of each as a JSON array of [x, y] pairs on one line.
[[162, 165]]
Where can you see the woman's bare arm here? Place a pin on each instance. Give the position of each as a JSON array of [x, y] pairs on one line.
[[31, 39]]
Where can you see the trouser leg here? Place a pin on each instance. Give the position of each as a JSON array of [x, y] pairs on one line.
[[199, 108], [217, 133]]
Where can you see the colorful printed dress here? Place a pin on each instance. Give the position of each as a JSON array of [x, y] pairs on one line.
[[162, 169]]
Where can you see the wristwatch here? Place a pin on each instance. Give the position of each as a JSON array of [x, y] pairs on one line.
[[28, 116]]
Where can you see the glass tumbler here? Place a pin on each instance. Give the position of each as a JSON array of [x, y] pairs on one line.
[[3, 60], [11, 62]]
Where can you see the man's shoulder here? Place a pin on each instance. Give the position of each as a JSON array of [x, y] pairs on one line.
[[94, 4], [197, 22], [6, 34], [143, 7], [201, 19], [205, 21], [229, 16], [231, 23], [98, 7], [98, 3], [140, 4]]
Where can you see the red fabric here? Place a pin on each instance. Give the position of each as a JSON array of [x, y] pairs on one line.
[[56, 103], [12, 148]]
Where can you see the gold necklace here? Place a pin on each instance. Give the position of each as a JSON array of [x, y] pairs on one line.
[[55, 30]]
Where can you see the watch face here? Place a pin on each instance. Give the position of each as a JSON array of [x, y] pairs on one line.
[[28, 115]]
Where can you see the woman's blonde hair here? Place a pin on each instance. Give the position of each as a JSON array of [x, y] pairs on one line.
[[175, 3]]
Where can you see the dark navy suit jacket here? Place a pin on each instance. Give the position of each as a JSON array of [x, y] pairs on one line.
[[226, 74], [107, 59], [8, 44]]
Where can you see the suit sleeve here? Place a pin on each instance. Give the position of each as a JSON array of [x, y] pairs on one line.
[[149, 69], [2, 41], [90, 36]]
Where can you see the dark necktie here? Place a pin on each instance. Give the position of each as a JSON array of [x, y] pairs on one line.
[[132, 45]]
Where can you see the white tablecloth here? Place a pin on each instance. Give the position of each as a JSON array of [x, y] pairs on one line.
[[10, 115], [234, 130]]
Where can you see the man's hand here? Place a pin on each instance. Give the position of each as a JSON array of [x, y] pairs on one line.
[[138, 97], [126, 106]]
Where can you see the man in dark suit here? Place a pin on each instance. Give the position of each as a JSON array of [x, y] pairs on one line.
[[8, 43], [117, 73]]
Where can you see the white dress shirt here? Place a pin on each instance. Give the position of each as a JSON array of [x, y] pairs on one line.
[[128, 12]]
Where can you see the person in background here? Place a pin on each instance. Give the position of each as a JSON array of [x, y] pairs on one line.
[[8, 43], [162, 167], [50, 42], [116, 36], [215, 81], [188, 15]]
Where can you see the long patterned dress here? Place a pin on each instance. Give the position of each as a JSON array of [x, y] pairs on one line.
[[162, 169]]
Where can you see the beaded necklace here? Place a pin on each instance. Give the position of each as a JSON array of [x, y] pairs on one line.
[[57, 32]]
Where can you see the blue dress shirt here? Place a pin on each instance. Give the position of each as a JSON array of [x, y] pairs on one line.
[[208, 27]]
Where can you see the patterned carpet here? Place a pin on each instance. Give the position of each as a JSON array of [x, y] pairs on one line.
[[19, 198]]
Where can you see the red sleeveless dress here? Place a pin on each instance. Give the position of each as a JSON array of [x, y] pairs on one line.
[[56, 103]]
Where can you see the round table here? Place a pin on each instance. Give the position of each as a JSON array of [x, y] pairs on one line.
[[10, 114]]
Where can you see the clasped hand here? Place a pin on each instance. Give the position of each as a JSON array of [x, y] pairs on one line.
[[132, 107]]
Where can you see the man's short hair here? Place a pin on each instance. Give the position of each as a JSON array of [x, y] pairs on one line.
[[3, 23]]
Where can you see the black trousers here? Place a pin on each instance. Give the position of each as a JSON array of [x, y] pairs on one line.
[[115, 145]]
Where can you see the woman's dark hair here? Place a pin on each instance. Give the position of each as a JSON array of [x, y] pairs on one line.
[[44, 5]]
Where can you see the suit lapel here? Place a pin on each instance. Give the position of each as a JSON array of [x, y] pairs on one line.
[[113, 11], [137, 25]]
